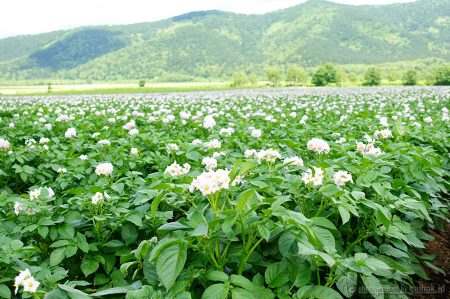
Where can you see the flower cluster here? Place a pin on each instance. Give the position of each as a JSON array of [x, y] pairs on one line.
[[386, 133], [4, 144], [98, 196], [176, 170], [342, 177], [319, 146], [209, 162], [316, 179], [172, 148], [70, 133], [256, 133], [269, 155], [294, 161], [104, 168], [27, 281], [212, 144], [209, 122], [368, 149], [210, 182]]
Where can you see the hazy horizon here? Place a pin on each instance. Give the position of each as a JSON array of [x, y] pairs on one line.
[[50, 15]]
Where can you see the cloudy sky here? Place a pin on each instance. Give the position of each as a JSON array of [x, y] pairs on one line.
[[36, 16]]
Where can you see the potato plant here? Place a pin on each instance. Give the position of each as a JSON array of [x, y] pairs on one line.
[[310, 193]]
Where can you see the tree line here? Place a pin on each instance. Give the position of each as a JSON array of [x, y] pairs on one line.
[[328, 74]]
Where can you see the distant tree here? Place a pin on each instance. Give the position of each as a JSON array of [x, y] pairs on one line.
[[372, 77], [253, 79], [273, 76], [141, 83], [442, 76], [392, 76], [410, 78], [239, 79], [49, 87], [325, 75], [296, 75]]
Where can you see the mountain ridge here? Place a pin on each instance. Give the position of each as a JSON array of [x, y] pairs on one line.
[[214, 44]]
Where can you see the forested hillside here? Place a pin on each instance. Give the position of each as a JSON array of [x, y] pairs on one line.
[[214, 44]]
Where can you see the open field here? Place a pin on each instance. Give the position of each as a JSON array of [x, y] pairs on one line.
[[264, 193], [109, 88]]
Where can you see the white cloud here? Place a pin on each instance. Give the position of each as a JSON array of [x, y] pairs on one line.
[[36, 16]]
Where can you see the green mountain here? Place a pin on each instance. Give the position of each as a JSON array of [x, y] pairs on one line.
[[214, 44]]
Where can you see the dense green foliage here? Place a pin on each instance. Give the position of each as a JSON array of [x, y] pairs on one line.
[[372, 77], [410, 78], [442, 76], [326, 74], [77, 49], [296, 75], [214, 45], [120, 196], [273, 76]]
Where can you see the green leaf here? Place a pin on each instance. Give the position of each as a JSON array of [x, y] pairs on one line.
[[57, 256], [244, 199], [216, 275], [216, 291], [347, 283], [136, 219], [89, 266], [113, 244], [374, 286], [118, 187], [263, 231], [193, 155], [170, 263], [74, 293], [323, 222], [345, 215], [56, 294], [118, 290], [358, 195], [287, 244], [276, 275], [129, 233], [330, 190], [82, 243], [299, 271], [66, 231], [145, 292], [326, 238], [318, 292], [241, 281], [5, 292], [238, 293]]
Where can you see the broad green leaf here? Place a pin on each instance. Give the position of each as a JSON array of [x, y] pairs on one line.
[[135, 218], [216, 275], [89, 266], [170, 263], [57, 256], [82, 243], [216, 291], [5, 292], [276, 275], [244, 199], [129, 233], [345, 215], [374, 286], [118, 290], [56, 294], [318, 292], [347, 283]]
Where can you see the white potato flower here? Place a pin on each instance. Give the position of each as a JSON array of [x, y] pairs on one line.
[[104, 169]]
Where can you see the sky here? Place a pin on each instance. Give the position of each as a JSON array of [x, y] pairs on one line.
[[37, 16]]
